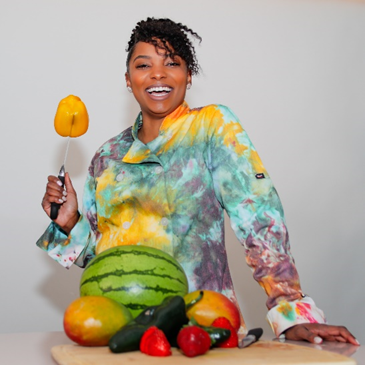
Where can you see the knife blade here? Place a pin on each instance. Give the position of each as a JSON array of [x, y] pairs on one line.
[[252, 336], [61, 175]]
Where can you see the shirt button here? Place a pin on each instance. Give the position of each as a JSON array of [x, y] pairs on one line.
[[164, 221], [158, 169], [120, 177], [126, 225]]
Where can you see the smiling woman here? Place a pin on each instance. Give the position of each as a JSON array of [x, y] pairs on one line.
[[160, 64], [158, 81], [166, 181]]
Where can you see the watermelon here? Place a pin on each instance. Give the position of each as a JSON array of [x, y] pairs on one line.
[[135, 276]]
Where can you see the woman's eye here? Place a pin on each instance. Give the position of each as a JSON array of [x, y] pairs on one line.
[[173, 64], [142, 66]]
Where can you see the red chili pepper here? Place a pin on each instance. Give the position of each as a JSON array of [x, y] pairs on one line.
[[223, 322]]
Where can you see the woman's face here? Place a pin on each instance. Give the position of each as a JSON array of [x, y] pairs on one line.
[[158, 82]]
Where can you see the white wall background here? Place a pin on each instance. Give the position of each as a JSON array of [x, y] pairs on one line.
[[293, 71]]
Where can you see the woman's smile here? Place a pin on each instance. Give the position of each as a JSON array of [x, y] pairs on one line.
[[159, 91]]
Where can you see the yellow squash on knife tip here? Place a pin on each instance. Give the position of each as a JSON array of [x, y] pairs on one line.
[[71, 119]]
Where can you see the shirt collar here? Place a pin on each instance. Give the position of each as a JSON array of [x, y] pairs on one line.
[[139, 152], [167, 122], [137, 126]]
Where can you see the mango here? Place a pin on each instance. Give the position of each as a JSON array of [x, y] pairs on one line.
[[93, 320], [212, 306]]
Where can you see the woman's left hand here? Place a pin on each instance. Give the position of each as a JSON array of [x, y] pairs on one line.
[[316, 333]]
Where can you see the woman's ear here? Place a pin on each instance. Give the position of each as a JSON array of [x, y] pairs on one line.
[[127, 79], [190, 78]]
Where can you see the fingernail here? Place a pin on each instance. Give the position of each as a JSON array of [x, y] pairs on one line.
[[317, 339], [64, 198], [357, 341], [59, 183], [64, 193], [60, 200]]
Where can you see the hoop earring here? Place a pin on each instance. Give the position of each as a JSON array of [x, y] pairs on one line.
[[188, 86], [129, 89]]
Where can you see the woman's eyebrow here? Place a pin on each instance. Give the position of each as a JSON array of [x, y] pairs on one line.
[[141, 56]]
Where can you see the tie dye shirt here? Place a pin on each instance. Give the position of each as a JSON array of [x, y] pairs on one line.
[[171, 194]]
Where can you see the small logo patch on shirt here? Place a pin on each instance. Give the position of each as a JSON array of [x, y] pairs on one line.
[[260, 176]]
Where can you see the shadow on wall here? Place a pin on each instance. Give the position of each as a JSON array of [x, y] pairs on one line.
[[76, 157], [59, 286]]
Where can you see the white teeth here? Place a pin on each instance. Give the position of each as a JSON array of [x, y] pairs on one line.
[[159, 89]]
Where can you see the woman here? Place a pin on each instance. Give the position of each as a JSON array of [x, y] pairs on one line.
[[166, 181]]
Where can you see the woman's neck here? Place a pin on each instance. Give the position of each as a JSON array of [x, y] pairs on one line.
[[150, 129]]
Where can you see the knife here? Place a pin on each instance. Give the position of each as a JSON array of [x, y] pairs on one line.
[[251, 337], [61, 175], [55, 206]]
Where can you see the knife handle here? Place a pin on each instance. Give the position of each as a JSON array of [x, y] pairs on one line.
[[54, 206], [257, 332]]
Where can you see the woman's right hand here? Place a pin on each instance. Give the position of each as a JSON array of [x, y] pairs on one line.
[[68, 214]]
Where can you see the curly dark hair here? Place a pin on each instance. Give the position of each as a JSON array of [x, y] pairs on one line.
[[167, 35]]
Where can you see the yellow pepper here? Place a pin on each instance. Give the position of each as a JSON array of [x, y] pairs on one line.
[[71, 119]]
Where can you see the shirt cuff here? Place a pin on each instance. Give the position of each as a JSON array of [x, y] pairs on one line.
[[288, 314], [68, 253]]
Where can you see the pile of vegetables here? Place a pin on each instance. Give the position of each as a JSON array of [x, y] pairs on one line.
[[153, 332], [194, 322], [158, 328]]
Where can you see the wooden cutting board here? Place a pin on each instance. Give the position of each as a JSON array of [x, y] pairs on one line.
[[260, 353]]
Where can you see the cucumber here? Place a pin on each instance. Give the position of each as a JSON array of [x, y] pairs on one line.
[[127, 339]]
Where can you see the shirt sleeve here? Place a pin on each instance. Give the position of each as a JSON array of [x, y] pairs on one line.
[[244, 189], [79, 246], [287, 314]]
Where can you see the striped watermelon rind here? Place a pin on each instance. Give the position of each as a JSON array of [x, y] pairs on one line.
[[136, 276]]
